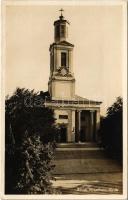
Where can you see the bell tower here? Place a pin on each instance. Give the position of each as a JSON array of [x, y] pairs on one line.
[[61, 83]]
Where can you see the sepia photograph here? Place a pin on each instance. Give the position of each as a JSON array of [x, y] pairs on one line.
[[64, 107]]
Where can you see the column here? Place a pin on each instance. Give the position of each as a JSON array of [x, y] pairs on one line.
[[73, 126], [69, 129], [92, 124], [78, 126], [79, 113], [97, 122]]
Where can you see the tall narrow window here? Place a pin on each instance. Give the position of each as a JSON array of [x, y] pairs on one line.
[[63, 59]]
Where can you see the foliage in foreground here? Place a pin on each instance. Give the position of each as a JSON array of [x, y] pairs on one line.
[[29, 145], [111, 133], [35, 166]]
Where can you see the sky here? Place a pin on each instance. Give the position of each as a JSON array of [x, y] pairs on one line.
[[96, 32]]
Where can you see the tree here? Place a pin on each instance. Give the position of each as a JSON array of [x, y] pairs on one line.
[[111, 130], [35, 166], [29, 125], [25, 111]]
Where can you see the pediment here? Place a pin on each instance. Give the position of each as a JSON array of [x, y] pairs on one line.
[[65, 43]]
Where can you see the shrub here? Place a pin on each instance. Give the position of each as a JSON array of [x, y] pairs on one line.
[[111, 132], [29, 144], [34, 173]]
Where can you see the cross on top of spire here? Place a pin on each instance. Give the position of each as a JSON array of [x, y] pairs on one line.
[[61, 10]]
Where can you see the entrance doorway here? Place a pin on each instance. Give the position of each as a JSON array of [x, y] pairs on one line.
[[83, 134], [61, 136]]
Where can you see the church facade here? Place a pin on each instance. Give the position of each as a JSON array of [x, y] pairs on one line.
[[77, 118]]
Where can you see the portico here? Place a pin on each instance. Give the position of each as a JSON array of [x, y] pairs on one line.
[[77, 121]]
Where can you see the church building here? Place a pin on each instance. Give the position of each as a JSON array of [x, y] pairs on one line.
[[77, 118]]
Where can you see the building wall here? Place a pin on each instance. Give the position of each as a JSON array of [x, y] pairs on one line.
[[60, 112], [69, 122], [63, 90]]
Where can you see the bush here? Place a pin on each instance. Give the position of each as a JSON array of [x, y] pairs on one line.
[[30, 145], [111, 130], [34, 172]]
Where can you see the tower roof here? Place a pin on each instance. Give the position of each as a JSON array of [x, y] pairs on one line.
[[61, 18]]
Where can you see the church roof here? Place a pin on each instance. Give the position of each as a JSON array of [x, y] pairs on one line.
[[79, 98]]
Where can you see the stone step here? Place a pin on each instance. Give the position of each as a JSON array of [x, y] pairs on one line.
[[84, 159], [77, 145], [81, 153], [79, 166]]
